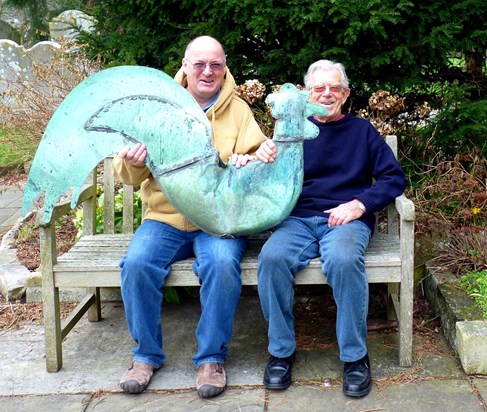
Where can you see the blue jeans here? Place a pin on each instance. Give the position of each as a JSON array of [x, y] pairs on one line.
[[290, 249], [145, 268]]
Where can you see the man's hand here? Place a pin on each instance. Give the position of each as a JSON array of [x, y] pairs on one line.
[[267, 151], [134, 156], [239, 160], [344, 213]]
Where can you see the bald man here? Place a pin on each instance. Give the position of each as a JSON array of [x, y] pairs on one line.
[[166, 236]]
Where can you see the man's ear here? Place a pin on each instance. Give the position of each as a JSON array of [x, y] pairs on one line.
[[184, 66]]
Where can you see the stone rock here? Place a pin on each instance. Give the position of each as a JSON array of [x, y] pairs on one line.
[[12, 281], [472, 346], [8, 31], [69, 24], [16, 61], [16, 64], [12, 273]]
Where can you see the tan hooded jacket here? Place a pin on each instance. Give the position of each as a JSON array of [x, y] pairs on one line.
[[234, 130]]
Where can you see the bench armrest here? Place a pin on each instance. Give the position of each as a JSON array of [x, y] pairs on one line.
[[64, 205], [405, 208]]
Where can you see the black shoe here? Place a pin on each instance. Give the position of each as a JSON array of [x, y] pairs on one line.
[[357, 380], [277, 373]]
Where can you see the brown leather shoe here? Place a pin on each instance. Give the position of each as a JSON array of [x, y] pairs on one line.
[[137, 377], [211, 380]]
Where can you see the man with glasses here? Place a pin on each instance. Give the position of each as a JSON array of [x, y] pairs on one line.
[[166, 236], [349, 173]]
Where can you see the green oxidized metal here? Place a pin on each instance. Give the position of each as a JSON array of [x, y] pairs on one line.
[[125, 105]]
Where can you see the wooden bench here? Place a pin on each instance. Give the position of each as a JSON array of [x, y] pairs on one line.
[[92, 263]]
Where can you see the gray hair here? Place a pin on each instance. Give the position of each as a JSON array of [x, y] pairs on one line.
[[325, 65]]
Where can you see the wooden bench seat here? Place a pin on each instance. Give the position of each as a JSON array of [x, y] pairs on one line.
[[92, 263]]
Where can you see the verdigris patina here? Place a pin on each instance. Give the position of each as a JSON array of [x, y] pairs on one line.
[[128, 104]]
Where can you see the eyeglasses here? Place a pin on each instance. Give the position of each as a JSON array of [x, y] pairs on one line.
[[200, 66], [321, 88]]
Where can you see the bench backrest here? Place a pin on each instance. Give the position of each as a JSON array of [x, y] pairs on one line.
[[110, 189]]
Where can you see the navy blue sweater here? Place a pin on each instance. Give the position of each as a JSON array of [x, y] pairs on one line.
[[340, 165]]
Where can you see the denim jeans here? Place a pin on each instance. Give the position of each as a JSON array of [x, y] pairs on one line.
[[290, 249], [145, 268]]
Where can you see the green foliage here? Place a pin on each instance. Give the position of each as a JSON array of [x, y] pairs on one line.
[[118, 222], [26, 231], [400, 44], [140, 32], [440, 123], [475, 284], [16, 147], [171, 295], [459, 129]]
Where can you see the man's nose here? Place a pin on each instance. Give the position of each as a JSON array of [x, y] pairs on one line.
[[207, 70]]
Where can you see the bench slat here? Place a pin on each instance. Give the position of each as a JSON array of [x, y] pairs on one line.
[[110, 278], [94, 260]]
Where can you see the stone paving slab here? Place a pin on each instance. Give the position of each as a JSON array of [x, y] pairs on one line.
[[61, 403], [232, 400], [426, 395], [480, 384], [8, 218], [431, 396], [6, 213], [10, 204], [95, 355], [11, 196], [251, 400]]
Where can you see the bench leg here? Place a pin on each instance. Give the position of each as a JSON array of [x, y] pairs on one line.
[[392, 290], [52, 328], [406, 296], [406, 325], [94, 312], [50, 301]]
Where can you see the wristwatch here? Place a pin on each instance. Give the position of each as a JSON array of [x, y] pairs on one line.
[[361, 206]]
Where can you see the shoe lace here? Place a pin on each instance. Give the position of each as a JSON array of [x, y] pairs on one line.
[[219, 368], [360, 364], [273, 360]]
